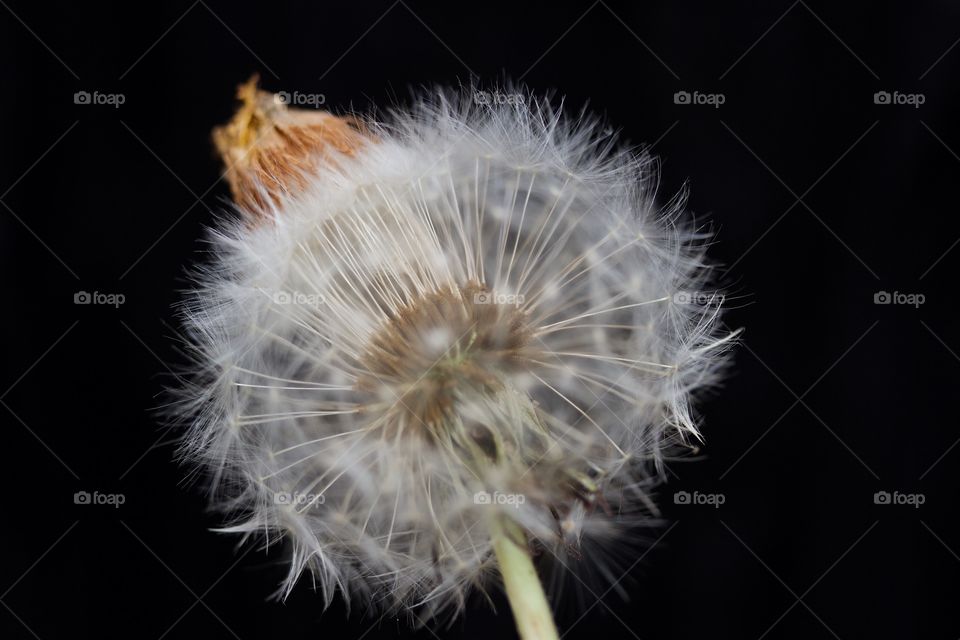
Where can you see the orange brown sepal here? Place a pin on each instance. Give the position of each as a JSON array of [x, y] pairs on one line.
[[269, 148]]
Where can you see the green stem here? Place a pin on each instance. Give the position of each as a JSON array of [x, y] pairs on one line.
[[527, 600]]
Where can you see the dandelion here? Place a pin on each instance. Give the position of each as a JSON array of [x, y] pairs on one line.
[[436, 345]]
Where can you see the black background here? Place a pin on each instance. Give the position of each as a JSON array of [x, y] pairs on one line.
[[820, 198]]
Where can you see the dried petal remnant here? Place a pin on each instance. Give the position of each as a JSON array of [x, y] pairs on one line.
[[270, 148]]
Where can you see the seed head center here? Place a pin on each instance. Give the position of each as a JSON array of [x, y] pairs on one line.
[[440, 346]]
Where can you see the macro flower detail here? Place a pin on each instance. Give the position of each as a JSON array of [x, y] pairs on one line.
[[426, 337]]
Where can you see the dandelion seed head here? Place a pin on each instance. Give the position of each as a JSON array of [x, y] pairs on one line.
[[471, 315]]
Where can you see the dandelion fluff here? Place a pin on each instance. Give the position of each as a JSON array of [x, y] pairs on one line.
[[472, 317]]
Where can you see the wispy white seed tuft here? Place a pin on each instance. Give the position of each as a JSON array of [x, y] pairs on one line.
[[481, 313]]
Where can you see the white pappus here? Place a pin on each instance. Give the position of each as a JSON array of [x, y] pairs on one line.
[[477, 313]]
